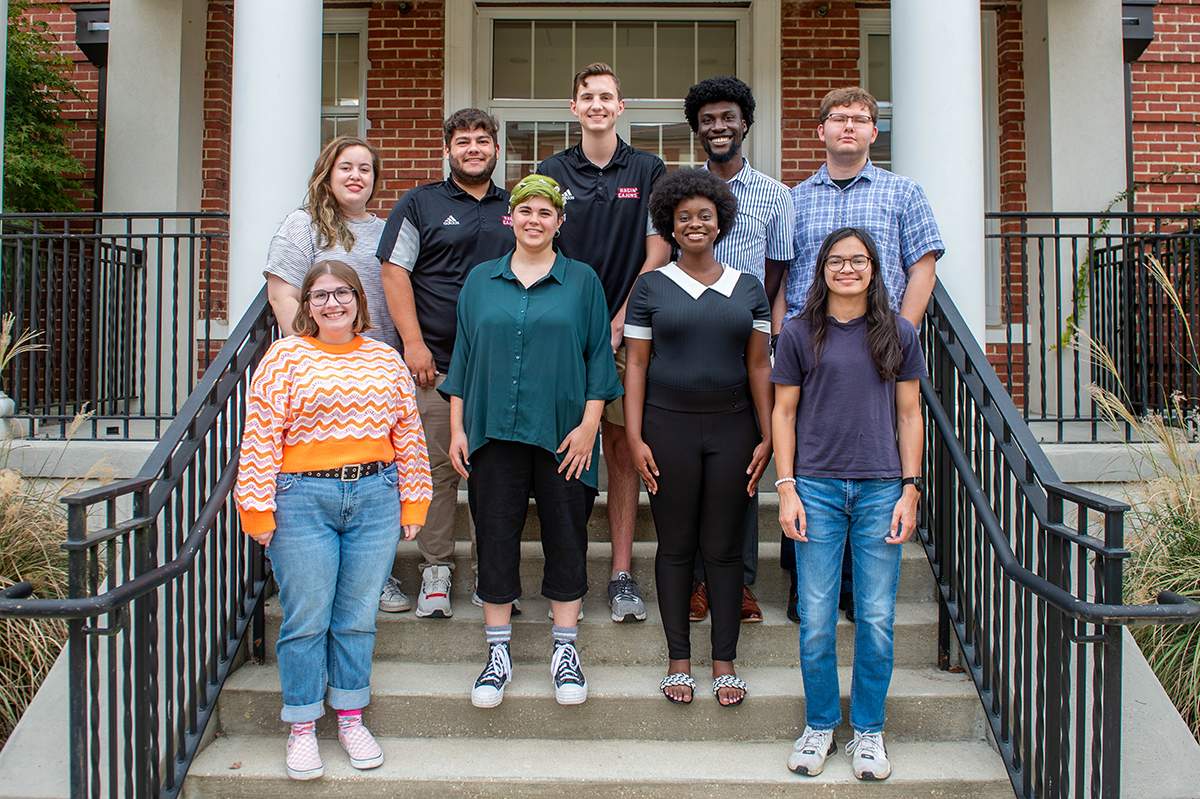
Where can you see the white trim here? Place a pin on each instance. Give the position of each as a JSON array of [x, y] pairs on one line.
[[695, 289], [460, 56], [994, 280], [996, 334], [350, 20], [344, 20], [765, 77]]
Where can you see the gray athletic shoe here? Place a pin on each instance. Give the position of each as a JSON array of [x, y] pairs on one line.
[[392, 599], [869, 756], [810, 751], [625, 599]]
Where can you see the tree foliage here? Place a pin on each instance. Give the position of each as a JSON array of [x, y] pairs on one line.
[[40, 172]]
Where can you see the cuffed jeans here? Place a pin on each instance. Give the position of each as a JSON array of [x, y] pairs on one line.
[[861, 510], [331, 552]]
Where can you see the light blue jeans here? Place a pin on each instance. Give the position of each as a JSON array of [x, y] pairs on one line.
[[862, 510], [331, 553]]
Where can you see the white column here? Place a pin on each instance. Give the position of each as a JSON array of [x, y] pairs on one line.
[[275, 131], [766, 77], [937, 138]]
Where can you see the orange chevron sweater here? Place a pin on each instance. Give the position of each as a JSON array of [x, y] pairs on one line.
[[321, 406]]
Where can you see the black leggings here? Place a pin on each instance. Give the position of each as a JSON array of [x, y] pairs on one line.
[[701, 504]]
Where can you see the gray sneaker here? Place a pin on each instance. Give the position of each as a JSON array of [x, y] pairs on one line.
[[434, 599], [869, 756], [625, 599], [810, 751], [392, 599]]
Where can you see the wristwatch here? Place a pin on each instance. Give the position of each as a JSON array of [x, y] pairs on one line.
[[914, 481]]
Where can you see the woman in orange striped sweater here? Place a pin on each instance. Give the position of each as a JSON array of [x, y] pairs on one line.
[[333, 469]]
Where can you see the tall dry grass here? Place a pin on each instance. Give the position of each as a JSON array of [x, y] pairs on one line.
[[1165, 537]]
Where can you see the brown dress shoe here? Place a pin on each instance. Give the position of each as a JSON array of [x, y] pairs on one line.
[[750, 609], [698, 609]]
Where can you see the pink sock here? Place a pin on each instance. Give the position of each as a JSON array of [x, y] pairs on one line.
[[304, 726], [349, 718]]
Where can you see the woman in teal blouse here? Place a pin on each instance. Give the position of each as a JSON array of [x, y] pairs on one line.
[[531, 372]]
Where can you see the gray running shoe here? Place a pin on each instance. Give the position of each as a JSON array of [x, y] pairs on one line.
[[869, 756], [625, 599], [810, 751], [392, 599]]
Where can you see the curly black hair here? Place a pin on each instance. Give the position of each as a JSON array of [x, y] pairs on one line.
[[683, 184], [715, 90]]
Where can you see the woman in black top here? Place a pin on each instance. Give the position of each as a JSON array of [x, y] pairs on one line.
[[698, 416]]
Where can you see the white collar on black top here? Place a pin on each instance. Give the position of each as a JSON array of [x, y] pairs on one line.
[[724, 285]]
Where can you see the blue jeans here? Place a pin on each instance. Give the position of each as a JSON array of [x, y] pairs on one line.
[[331, 553], [862, 510]]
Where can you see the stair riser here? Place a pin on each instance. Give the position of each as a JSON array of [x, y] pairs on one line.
[[602, 642], [762, 718], [772, 584]]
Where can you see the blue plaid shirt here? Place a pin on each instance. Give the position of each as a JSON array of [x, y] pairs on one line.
[[892, 208], [764, 223]]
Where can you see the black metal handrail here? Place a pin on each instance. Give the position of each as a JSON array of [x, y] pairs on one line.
[[124, 305], [1036, 603], [1060, 274], [163, 588]]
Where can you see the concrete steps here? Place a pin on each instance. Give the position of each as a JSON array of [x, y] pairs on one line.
[[626, 740]]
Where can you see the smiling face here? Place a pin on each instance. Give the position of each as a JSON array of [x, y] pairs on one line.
[[695, 227], [721, 129], [596, 104], [848, 141], [352, 180], [335, 320], [535, 222], [472, 157], [847, 282]]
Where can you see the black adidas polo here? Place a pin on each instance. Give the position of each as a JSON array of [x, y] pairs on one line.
[[606, 223], [438, 233]]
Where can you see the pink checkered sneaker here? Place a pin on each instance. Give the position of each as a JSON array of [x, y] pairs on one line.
[[360, 745], [303, 756]]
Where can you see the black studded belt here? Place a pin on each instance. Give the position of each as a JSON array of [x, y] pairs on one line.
[[350, 472]]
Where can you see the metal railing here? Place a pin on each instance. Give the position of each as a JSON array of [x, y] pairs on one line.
[[1030, 575], [163, 587], [121, 302], [1062, 273]]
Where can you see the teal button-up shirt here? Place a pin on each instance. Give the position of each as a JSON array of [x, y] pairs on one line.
[[527, 360]]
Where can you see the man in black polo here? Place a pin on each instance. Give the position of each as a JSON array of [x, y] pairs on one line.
[[434, 236], [606, 186]]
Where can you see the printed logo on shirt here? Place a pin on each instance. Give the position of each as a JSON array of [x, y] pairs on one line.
[[507, 220], [450, 220], [567, 195], [627, 193]]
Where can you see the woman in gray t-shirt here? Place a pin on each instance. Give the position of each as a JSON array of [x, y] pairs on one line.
[[333, 224], [848, 438]]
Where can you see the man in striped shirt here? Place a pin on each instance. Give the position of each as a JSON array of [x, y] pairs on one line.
[[720, 112]]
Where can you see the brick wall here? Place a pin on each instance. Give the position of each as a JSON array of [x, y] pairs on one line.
[[1166, 101], [214, 193]]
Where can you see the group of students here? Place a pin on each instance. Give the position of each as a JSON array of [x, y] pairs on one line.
[[349, 445]]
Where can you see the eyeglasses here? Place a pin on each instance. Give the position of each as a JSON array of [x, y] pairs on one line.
[[858, 263], [319, 297], [840, 120]]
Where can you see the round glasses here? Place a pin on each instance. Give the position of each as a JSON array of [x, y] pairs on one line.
[[319, 297], [858, 263]]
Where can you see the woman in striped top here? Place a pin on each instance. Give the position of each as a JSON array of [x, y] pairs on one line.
[[333, 469]]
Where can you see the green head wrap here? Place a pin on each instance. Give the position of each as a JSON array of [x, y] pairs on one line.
[[536, 186]]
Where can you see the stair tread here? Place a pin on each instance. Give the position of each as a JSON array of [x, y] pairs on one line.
[[711, 763]]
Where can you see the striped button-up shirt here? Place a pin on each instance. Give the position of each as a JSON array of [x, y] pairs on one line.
[[892, 208], [764, 223]]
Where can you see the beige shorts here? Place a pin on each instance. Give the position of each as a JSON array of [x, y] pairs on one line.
[[614, 411]]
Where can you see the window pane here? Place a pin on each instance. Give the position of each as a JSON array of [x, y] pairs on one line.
[[670, 141], [716, 49], [329, 69], [593, 42], [347, 71], [552, 60], [676, 58], [511, 53], [634, 61], [527, 143], [879, 67], [881, 150]]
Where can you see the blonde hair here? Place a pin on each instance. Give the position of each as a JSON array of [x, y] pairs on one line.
[[322, 206], [304, 324]]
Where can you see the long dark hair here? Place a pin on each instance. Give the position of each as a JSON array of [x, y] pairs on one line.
[[883, 340]]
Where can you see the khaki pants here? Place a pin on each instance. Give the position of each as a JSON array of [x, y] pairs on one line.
[[436, 539]]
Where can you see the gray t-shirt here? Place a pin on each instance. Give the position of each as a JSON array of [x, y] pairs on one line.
[[846, 421], [294, 250]]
